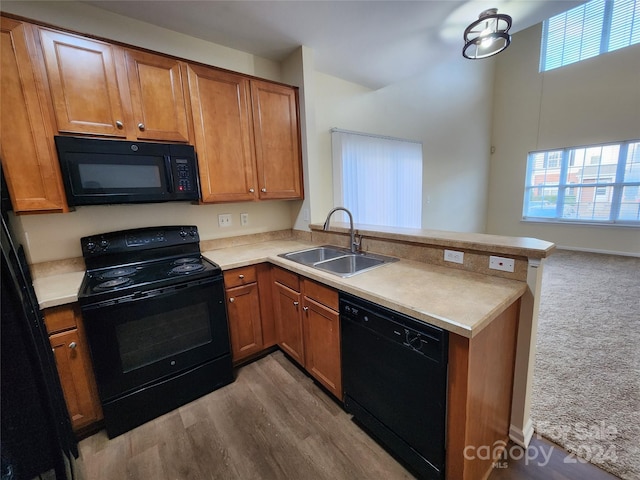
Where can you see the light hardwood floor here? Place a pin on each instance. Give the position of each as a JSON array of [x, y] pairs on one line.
[[273, 422]]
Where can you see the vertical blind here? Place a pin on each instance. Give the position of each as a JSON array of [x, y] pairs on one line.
[[596, 27], [379, 179]]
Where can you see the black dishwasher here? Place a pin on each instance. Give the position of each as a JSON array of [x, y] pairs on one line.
[[394, 373]]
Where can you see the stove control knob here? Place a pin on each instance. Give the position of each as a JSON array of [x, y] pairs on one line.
[[182, 233], [104, 243], [192, 233], [91, 246]]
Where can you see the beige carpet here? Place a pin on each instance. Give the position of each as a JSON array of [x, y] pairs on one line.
[[586, 388]]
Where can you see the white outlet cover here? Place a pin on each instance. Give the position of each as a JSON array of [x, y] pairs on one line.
[[501, 263], [224, 220], [454, 256]]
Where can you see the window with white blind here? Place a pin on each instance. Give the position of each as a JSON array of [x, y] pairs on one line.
[[379, 179], [596, 27], [594, 184]]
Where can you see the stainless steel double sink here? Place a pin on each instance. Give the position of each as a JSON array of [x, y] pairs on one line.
[[337, 260]]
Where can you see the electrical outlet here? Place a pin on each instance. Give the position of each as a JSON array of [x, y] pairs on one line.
[[244, 219], [305, 215], [454, 256], [501, 263], [224, 220]]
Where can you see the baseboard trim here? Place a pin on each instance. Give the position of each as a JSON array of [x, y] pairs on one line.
[[595, 250], [521, 437]]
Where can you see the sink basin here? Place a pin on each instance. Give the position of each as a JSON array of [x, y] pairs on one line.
[[348, 265], [315, 255], [336, 260]]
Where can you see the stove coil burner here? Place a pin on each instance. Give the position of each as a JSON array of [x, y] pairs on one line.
[[117, 272], [112, 284], [186, 268], [182, 261]]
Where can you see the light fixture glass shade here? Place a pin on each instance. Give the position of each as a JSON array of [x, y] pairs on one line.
[[487, 36]]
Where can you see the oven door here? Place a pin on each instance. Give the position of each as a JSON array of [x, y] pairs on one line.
[[138, 340]]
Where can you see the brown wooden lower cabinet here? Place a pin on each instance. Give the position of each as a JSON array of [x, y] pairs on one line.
[[308, 326], [248, 293], [71, 352]]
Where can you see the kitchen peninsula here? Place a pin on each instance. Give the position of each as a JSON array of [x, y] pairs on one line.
[[487, 312]]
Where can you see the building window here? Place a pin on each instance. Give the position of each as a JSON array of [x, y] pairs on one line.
[[379, 179], [592, 184], [596, 27]]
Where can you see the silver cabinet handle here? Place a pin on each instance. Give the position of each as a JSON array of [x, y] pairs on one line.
[[73, 345], [240, 276], [296, 303], [141, 126], [251, 190], [119, 124], [306, 309], [231, 300], [263, 190]]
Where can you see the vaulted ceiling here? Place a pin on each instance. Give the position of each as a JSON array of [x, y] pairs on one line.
[[372, 43]]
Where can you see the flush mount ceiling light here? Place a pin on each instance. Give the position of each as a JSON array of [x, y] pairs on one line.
[[487, 36]]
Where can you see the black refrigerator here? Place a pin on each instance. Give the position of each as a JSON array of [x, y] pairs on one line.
[[36, 439]]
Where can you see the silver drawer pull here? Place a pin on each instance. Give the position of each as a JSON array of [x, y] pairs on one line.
[[296, 303], [231, 300], [141, 126], [119, 124], [263, 190], [73, 345], [251, 190], [241, 277]]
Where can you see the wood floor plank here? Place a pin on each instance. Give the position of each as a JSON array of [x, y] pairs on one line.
[[272, 423]]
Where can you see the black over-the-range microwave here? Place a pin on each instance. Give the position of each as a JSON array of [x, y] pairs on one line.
[[98, 172]]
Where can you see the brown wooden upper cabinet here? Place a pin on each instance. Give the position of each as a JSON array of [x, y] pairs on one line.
[[246, 136], [29, 160], [275, 123], [101, 89]]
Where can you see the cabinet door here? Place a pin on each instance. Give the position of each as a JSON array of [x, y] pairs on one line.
[[245, 329], [223, 134], [289, 321], [157, 97], [275, 122], [76, 378], [322, 345], [29, 160], [83, 84]]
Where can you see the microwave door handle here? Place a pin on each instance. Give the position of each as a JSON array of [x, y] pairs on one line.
[[169, 170]]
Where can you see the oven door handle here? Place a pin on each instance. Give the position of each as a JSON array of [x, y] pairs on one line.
[[159, 292]]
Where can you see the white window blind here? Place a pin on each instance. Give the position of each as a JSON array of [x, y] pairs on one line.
[[379, 179], [596, 27]]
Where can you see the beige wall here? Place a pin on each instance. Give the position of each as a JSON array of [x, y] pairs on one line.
[[593, 101], [447, 108]]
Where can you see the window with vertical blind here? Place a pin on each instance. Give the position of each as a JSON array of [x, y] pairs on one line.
[[592, 184], [379, 179], [596, 27]]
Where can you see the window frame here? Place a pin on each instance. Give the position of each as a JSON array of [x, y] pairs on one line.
[[609, 20], [613, 187]]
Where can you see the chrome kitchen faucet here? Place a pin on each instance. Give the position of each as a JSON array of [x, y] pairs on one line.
[[354, 244]]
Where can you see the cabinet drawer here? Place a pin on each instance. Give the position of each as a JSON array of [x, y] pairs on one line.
[[60, 318], [324, 295], [286, 278], [240, 276]]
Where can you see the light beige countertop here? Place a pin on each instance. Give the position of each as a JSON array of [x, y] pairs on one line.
[[458, 301], [455, 300]]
